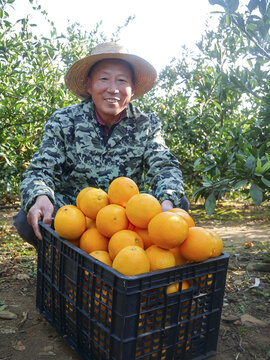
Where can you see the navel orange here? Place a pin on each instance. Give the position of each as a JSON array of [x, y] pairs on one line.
[[141, 208], [179, 258], [90, 223], [185, 215], [199, 244], [110, 219], [175, 287], [131, 260], [79, 196], [92, 240], [92, 201], [145, 236], [69, 222], [159, 258], [167, 229], [121, 239], [121, 190], [218, 243], [102, 256]]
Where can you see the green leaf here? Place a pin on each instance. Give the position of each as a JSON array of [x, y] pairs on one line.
[[266, 182], [250, 163], [191, 119], [262, 7], [197, 162], [258, 168], [217, 105], [217, 2], [240, 184], [198, 193], [228, 20], [209, 167], [256, 194], [266, 167], [210, 204], [253, 4], [232, 5]]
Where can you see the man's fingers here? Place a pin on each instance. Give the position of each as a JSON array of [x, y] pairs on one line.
[[37, 231], [41, 210], [33, 218], [47, 218]]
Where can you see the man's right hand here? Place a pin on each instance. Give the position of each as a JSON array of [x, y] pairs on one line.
[[41, 210]]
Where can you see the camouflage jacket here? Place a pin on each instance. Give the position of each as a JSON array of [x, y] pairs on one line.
[[73, 155]]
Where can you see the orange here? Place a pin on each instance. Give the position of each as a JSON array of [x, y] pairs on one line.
[[199, 244], [218, 243], [168, 230], [179, 258], [145, 236], [141, 208], [75, 242], [92, 240], [172, 288], [110, 219], [202, 280], [90, 223], [92, 201], [102, 256], [185, 285], [131, 260], [121, 239], [121, 190], [69, 222], [176, 210], [79, 196], [159, 258], [185, 215], [175, 287]]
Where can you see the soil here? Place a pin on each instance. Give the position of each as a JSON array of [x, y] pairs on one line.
[[245, 324]]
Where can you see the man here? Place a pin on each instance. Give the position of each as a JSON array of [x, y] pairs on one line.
[[99, 139]]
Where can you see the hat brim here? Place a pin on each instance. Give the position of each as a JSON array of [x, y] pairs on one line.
[[144, 73]]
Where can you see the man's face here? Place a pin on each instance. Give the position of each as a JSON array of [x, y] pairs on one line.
[[111, 87]]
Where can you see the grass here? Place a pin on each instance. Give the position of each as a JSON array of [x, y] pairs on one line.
[[12, 249], [233, 211]]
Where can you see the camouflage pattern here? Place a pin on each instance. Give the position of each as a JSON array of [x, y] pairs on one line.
[[73, 155]]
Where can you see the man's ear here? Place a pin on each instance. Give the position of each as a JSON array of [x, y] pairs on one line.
[[88, 85]]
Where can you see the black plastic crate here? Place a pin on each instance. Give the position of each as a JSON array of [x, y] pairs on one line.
[[103, 314]]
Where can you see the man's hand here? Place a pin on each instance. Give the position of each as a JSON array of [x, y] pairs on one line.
[[166, 205], [41, 210]]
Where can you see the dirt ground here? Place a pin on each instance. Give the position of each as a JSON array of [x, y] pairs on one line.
[[245, 325]]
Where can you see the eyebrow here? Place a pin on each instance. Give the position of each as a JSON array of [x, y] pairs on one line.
[[104, 72]]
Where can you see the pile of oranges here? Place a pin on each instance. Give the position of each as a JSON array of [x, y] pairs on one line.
[[128, 231]]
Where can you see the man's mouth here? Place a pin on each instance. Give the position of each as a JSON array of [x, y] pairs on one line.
[[112, 100]]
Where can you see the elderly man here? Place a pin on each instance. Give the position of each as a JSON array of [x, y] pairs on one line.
[[99, 139]]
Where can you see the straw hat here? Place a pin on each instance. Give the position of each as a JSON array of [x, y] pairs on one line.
[[145, 73]]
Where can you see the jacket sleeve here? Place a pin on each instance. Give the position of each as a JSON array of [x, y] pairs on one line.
[[44, 171], [162, 168]]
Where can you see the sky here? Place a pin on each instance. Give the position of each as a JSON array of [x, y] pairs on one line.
[[157, 33]]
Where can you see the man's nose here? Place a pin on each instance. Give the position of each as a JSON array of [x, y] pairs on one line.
[[113, 88]]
